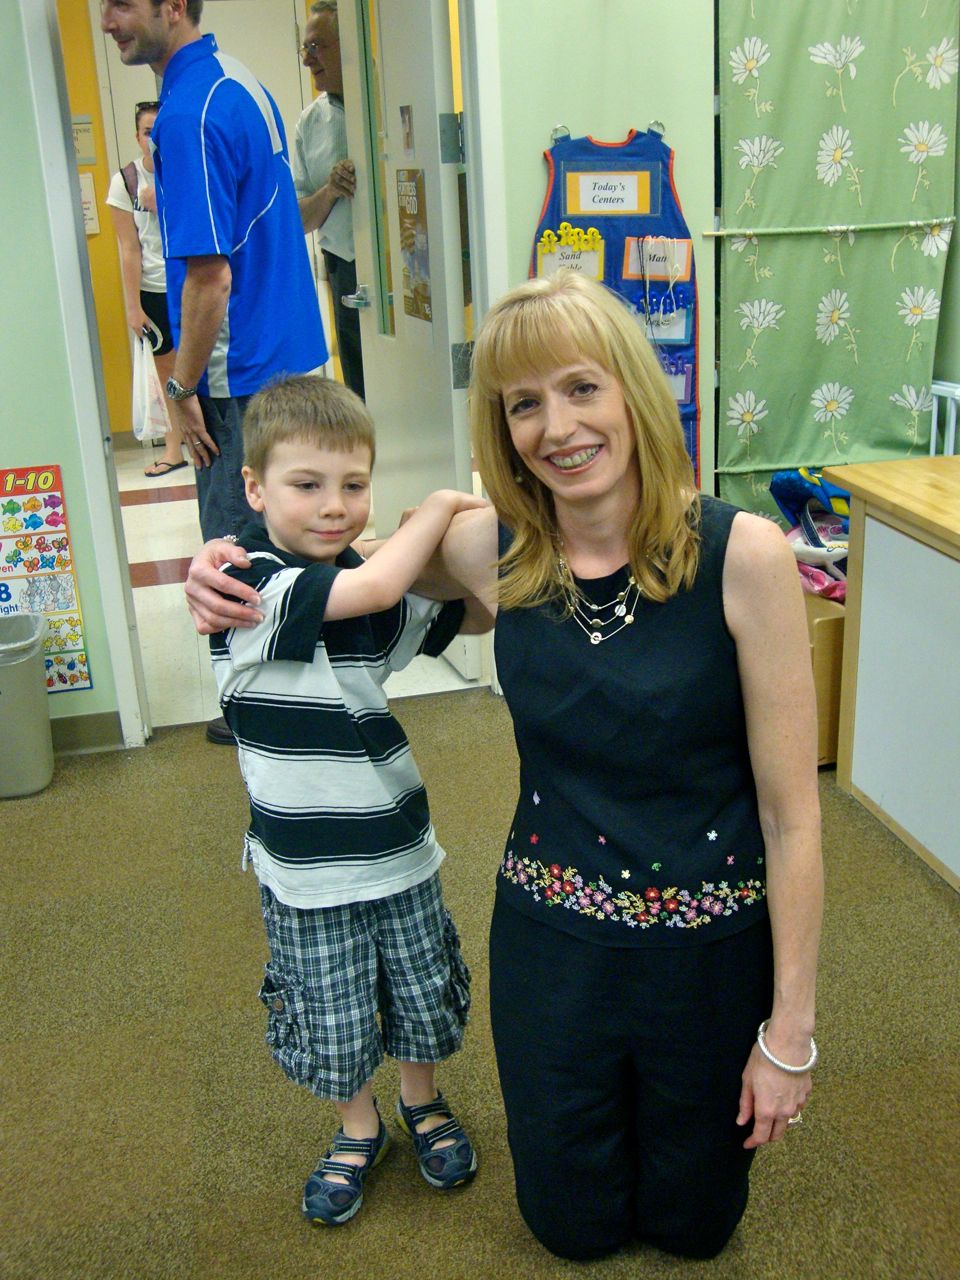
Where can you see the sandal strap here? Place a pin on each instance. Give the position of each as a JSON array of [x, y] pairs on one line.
[[449, 1129], [327, 1166], [438, 1105], [342, 1145]]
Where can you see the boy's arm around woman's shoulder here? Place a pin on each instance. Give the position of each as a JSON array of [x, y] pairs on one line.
[[464, 567], [400, 561]]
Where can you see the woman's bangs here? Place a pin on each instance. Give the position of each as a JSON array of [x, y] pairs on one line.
[[541, 334]]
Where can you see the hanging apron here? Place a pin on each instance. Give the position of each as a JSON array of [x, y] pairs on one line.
[[611, 211]]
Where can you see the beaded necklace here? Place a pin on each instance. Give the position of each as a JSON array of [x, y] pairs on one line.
[[593, 618]]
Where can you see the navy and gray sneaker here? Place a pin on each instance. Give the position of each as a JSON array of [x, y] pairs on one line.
[[443, 1167], [331, 1204]]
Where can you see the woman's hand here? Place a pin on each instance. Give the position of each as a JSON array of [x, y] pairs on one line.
[[207, 590], [770, 1097]]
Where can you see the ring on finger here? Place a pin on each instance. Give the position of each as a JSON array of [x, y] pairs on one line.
[[797, 1119]]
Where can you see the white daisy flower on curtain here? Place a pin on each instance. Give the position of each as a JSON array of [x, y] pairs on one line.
[[944, 60], [747, 59], [833, 312], [838, 56], [758, 153], [936, 239], [760, 314], [917, 400], [918, 304], [831, 401], [841, 58], [920, 141], [739, 243], [744, 412], [834, 150]]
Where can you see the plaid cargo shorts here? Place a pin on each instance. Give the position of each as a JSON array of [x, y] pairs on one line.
[[346, 984]]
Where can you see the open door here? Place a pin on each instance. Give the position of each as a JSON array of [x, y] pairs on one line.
[[402, 132], [409, 224]]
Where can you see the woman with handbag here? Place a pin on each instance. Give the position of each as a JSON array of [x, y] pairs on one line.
[[133, 208]]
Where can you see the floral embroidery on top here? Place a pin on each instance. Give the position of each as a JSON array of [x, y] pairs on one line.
[[674, 907]]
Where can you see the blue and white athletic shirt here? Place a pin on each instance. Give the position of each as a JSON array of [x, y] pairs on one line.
[[612, 211], [338, 811], [224, 187]]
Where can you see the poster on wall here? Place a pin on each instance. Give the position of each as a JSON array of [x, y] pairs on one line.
[[83, 148], [36, 570], [88, 203], [414, 245]]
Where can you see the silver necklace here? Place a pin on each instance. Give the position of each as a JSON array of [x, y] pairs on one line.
[[593, 619]]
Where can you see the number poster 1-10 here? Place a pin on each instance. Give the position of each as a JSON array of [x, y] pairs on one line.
[[36, 570]]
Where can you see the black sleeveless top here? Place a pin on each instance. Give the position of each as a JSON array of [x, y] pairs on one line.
[[637, 819]]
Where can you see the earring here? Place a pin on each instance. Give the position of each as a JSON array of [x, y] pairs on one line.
[[519, 477]]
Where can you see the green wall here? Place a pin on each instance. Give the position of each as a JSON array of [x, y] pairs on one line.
[[601, 68], [38, 416]]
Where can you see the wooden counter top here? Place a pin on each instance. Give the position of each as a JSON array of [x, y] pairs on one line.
[[923, 491]]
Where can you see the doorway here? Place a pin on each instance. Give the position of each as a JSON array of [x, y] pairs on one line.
[[159, 516]]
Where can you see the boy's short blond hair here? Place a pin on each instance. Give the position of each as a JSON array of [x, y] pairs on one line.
[[315, 410]]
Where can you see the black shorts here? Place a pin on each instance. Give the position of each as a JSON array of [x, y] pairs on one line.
[[155, 305]]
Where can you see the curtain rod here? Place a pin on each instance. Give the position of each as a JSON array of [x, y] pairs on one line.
[[747, 233]]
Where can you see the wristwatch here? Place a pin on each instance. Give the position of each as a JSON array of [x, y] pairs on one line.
[[177, 391]]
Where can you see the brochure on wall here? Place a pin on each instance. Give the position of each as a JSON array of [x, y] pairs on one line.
[[36, 569], [414, 245]]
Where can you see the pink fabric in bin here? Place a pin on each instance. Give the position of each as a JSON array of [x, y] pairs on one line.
[[817, 583]]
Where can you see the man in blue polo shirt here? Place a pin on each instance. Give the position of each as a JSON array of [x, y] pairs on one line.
[[243, 304]]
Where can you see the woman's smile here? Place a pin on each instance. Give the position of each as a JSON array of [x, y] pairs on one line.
[[571, 429]]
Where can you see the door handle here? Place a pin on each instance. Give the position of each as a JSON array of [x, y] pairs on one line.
[[357, 301]]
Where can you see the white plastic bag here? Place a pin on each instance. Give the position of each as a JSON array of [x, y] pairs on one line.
[[149, 410]]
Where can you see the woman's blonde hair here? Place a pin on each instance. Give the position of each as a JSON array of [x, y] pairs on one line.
[[544, 325]]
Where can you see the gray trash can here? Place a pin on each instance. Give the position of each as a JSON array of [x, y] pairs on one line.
[[26, 744]]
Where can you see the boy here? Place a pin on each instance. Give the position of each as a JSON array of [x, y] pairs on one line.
[[340, 834]]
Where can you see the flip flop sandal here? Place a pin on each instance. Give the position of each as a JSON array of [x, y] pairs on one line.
[[152, 474]]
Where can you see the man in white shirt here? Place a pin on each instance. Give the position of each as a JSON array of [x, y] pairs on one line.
[[324, 179]]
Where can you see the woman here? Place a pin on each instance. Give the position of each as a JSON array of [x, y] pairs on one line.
[[659, 895], [133, 208]]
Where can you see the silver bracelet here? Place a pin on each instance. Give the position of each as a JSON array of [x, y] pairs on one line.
[[810, 1063], [230, 537]]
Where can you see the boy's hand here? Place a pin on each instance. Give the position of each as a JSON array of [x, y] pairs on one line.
[[207, 590], [453, 499]]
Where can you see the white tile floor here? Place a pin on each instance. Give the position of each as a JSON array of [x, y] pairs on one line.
[[176, 662]]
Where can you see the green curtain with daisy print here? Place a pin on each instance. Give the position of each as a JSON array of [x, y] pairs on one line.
[[838, 122]]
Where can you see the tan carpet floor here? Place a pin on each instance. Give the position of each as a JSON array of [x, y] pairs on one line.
[[147, 1133]]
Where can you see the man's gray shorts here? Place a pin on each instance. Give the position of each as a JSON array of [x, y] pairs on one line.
[[346, 984]]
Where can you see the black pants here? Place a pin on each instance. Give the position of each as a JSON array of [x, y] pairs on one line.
[[343, 279], [620, 1070]]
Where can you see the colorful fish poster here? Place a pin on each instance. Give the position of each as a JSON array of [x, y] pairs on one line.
[[36, 570]]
